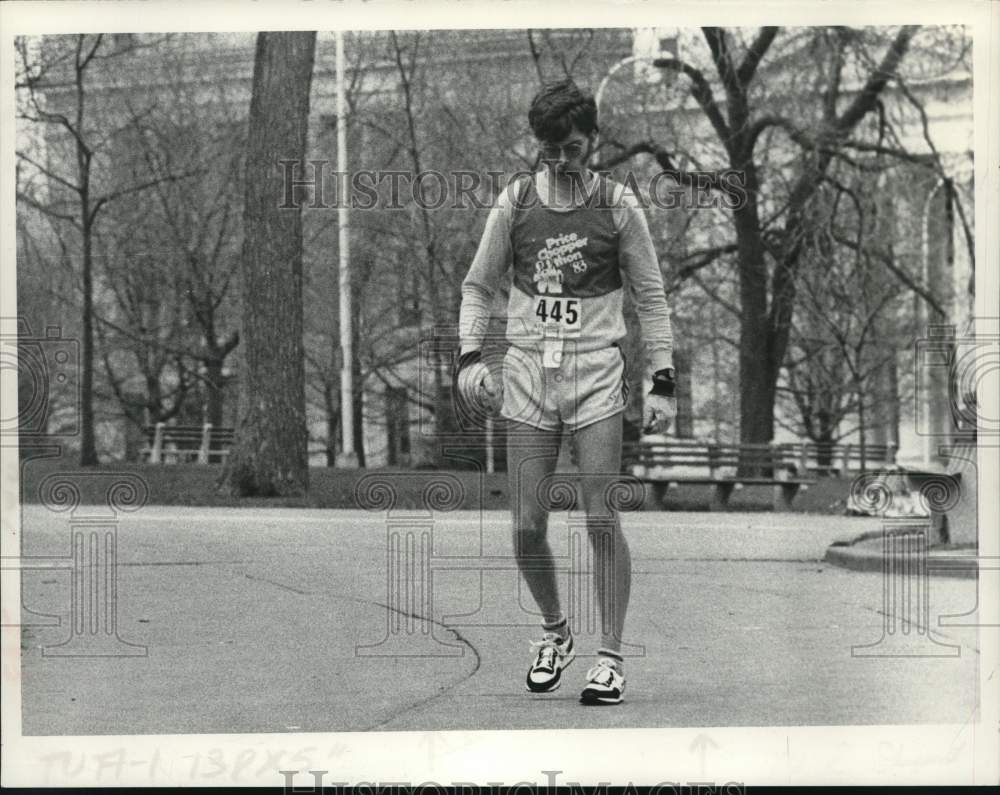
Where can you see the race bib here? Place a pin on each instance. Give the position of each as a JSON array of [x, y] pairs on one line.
[[562, 314]]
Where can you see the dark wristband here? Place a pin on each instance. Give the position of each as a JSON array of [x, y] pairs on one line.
[[465, 359], [664, 384]]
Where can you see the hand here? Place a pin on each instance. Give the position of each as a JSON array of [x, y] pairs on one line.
[[475, 385], [661, 403], [658, 413]]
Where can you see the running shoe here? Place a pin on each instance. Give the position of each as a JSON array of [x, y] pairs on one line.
[[604, 685], [552, 655]]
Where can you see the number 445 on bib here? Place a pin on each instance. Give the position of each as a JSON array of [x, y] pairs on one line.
[[564, 312]]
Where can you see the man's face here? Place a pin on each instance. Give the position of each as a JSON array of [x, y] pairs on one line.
[[569, 156]]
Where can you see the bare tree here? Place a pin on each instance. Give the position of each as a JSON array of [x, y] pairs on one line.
[[768, 228], [197, 221], [270, 455], [55, 77]]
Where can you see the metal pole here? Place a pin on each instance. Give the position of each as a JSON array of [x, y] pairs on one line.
[[611, 72], [604, 80], [930, 380], [489, 446], [348, 458], [604, 84]]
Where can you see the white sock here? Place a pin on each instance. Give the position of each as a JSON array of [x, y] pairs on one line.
[[559, 627], [613, 657]]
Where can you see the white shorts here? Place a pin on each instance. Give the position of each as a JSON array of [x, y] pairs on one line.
[[585, 388]]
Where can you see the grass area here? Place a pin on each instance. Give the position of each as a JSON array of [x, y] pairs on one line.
[[199, 485]]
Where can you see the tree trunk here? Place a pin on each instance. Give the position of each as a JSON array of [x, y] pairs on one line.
[[443, 400], [824, 443], [88, 445], [270, 456], [330, 396], [214, 400], [756, 386], [358, 398], [684, 424], [862, 431]]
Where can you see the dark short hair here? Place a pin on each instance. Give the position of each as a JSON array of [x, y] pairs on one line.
[[558, 108]]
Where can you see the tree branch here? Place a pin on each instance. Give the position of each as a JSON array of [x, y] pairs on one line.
[[118, 194], [717, 45], [864, 102], [48, 174], [664, 160], [701, 91], [756, 51], [31, 201], [699, 260]]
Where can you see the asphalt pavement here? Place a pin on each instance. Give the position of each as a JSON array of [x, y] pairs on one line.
[[244, 621]]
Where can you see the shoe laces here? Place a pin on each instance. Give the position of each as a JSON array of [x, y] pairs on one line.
[[547, 648], [603, 673]]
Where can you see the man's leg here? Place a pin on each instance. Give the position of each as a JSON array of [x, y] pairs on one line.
[[599, 448], [531, 455]]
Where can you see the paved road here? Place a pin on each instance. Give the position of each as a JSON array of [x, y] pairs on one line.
[[276, 620]]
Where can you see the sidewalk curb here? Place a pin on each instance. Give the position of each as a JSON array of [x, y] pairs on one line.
[[866, 553]]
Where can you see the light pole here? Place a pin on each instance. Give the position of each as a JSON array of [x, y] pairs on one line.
[[629, 59], [347, 458], [928, 399]]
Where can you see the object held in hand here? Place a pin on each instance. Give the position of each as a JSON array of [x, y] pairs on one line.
[[475, 386]]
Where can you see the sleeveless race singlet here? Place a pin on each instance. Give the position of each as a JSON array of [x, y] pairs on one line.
[[567, 279]]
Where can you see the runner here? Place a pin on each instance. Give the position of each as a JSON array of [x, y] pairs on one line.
[[569, 236]]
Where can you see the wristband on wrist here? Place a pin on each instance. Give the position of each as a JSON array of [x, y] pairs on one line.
[[467, 358], [664, 384]]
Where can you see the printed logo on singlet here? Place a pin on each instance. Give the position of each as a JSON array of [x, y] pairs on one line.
[[558, 253]]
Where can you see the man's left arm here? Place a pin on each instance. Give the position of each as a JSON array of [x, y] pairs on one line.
[[642, 270], [638, 261]]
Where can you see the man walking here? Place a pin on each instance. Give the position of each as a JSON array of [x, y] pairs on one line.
[[570, 240]]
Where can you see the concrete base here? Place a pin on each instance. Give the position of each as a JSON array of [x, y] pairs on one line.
[[870, 552], [347, 460], [960, 525]]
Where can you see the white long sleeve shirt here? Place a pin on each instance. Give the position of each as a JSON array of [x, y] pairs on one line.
[[566, 265]]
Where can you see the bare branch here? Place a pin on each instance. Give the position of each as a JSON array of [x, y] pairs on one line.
[[48, 173], [118, 194], [34, 203], [701, 91], [664, 159], [698, 260], [864, 102], [714, 295], [747, 69]]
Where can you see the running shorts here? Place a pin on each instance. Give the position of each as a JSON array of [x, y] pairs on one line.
[[584, 388]]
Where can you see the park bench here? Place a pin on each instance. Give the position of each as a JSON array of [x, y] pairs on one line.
[[836, 459], [730, 468], [203, 444]]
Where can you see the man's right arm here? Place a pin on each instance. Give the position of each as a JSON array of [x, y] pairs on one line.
[[484, 278]]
